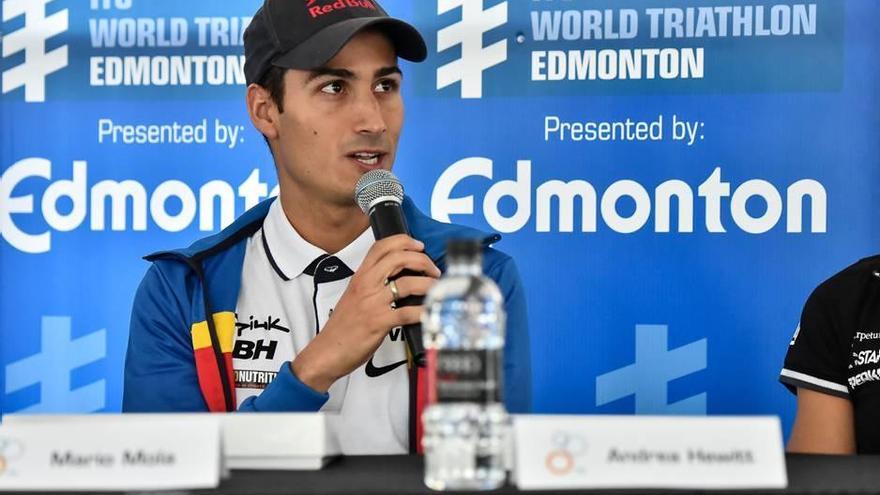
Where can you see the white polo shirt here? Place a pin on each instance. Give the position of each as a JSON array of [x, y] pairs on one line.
[[288, 291]]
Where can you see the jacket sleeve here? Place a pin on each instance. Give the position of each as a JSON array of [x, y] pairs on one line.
[[160, 371], [285, 394], [517, 354]]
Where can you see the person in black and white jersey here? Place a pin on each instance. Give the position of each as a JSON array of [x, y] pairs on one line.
[[833, 365]]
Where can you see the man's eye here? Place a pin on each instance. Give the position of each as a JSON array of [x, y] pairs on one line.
[[333, 88], [385, 86]]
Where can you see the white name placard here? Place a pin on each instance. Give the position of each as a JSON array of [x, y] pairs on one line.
[[110, 452], [247, 440], [279, 440], [556, 452]]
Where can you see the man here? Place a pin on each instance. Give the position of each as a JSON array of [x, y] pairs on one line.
[[833, 364], [290, 308]]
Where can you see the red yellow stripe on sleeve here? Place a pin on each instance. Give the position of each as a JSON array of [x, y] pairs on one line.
[[206, 363], [224, 322]]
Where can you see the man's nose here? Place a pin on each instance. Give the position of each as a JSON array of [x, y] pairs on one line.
[[369, 115]]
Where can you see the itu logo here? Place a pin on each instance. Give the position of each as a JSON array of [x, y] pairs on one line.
[[31, 39], [51, 369], [10, 450], [648, 377], [475, 58], [566, 449]]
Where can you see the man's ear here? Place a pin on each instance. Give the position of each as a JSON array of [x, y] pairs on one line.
[[262, 111]]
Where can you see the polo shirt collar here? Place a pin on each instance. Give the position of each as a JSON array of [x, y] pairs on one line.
[[290, 254], [353, 254]]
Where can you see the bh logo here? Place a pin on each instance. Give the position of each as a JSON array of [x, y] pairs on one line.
[[31, 39], [475, 58]]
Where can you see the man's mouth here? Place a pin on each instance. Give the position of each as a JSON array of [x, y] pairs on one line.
[[367, 158]]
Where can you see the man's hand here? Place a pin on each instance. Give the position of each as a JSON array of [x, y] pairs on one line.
[[363, 316]]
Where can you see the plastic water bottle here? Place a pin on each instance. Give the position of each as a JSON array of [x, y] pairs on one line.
[[465, 423]]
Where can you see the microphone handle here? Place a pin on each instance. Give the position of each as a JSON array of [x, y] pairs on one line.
[[412, 334], [386, 219]]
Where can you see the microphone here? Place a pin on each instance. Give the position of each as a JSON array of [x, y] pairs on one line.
[[379, 194]]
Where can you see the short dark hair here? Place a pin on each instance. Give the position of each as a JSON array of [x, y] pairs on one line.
[[273, 82]]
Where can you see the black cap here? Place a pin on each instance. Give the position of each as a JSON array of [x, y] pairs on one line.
[[305, 34]]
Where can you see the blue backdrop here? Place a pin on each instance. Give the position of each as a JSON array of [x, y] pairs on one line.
[[673, 178]]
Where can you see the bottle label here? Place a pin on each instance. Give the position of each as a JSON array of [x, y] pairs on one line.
[[468, 375]]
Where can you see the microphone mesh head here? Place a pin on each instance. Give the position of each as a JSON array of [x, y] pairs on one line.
[[377, 184]]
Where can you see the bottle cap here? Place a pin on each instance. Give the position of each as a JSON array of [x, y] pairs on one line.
[[463, 249]]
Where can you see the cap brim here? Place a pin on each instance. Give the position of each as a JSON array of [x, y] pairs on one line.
[[325, 44]]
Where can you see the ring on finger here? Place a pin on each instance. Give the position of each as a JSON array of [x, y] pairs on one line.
[[395, 294]]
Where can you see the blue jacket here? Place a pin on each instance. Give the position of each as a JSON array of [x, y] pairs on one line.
[[180, 360]]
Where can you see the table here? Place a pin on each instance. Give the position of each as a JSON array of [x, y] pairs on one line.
[[402, 475], [398, 475]]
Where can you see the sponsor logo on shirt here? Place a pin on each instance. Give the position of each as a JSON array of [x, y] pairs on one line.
[[374, 371], [396, 334], [255, 324], [253, 378], [794, 337], [864, 377], [864, 365], [863, 336], [261, 348], [866, 357]]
